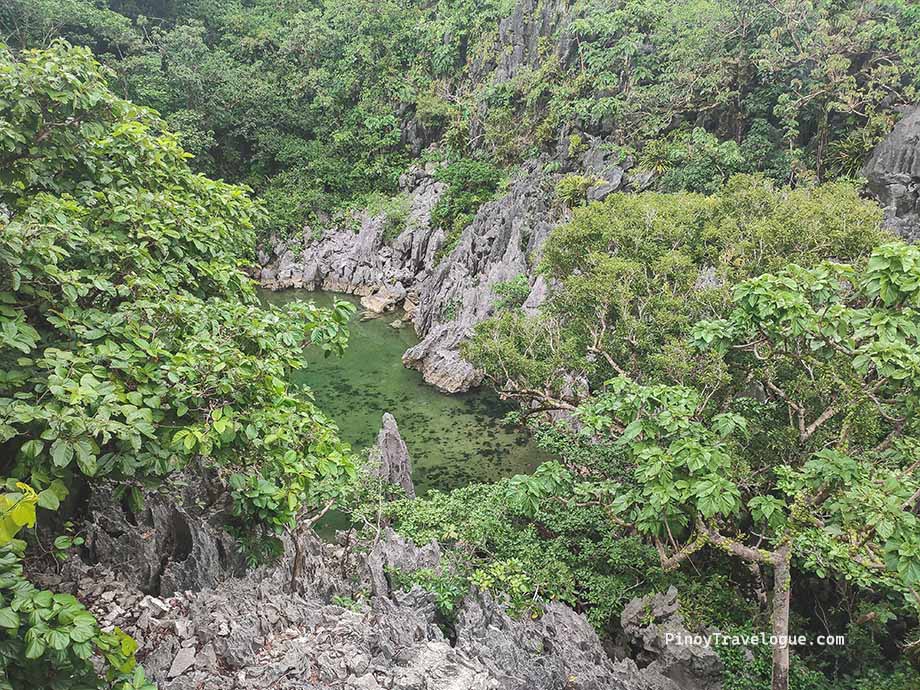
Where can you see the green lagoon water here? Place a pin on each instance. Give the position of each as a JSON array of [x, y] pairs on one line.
[[453, 440]]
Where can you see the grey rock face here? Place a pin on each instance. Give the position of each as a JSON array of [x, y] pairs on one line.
[[538, 294], [647, 621], [385, 299], [502, 242], [393, 553], [176, 542], [520, 34], [559, 650], [893, 172], [417, 136], [361, 262], [392, 457]]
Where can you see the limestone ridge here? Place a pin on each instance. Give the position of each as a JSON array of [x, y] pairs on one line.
[[502, 242], [175, 542], [360, 262], [346, 623], [893, 172]]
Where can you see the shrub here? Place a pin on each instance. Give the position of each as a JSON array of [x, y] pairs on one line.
[[132, 343], [395, 212], [676, 257], [694, 161], [50, 640], [572, 190], [470, 184], [511, 293], [432, 110]]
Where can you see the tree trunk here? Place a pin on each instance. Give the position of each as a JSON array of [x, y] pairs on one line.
[[822, 144], [298, 565], [782, 581]]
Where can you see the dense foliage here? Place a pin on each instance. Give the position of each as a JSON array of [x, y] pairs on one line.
[[131, 342], [307, 102], [773, 420], [132, 339], [742, 375], [835, 349], [316, 104], [50, 639], [634, 273]]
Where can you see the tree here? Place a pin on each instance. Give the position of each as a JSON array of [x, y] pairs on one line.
[[631, 275], [819, 469], [841, 63]]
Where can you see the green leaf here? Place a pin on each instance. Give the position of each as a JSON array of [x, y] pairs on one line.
[[63, 542], [57, 640], [83, 650], [35, 648], [48, 500], [32, 449], [9, 619], [82, 634], [87, 464]]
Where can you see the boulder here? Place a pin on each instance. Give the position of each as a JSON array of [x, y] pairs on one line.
[[893, 174], [385, 299]]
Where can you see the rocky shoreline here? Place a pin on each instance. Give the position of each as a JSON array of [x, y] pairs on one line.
[[444, 296]]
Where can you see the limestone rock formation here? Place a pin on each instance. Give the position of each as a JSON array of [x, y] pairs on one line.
[[174, 543], [359, 261], [502, 242], [259, 631], [647, 622], [393, 553], [521, 44], [548, 652], [345, 621], [391, 457], [443, 299], [386, 298], [893, 172]]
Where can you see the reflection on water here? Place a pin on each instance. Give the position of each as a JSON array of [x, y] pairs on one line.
[[452, 439]]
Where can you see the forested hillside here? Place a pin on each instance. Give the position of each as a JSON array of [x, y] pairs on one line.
[[676, 235], [317, 104]]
